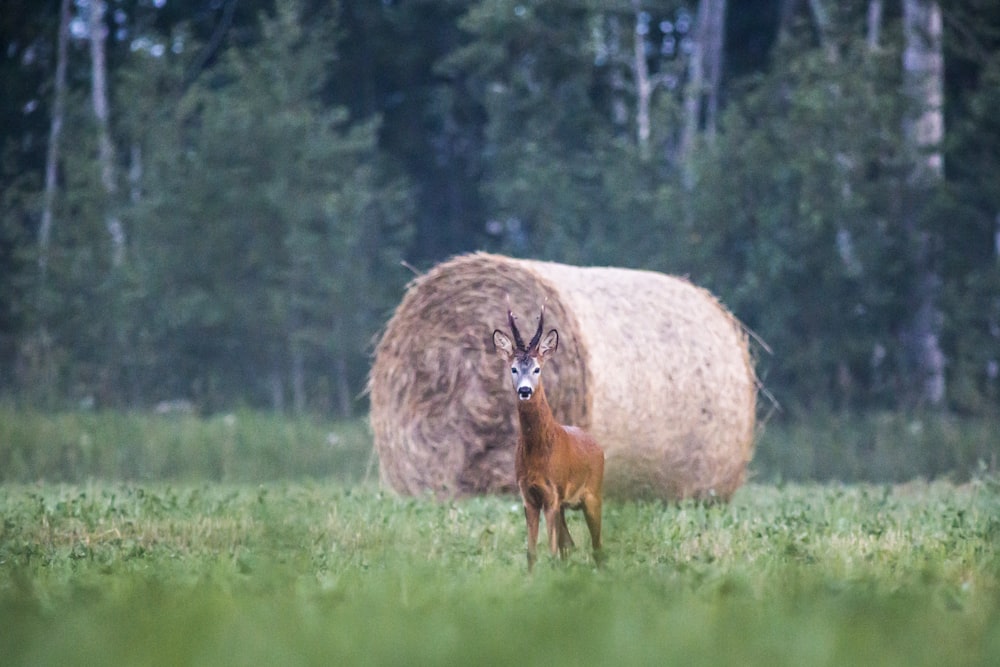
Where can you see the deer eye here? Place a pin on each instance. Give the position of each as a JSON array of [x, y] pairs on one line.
[[514, 371], [538, 370]]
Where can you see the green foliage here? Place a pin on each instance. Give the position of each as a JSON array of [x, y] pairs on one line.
[[264, 236], [303, 226], [277, 161], [972, 264], [799, 207], [320, 573], [557, 171]]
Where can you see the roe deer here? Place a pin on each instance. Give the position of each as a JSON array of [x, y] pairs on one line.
[[556, 466]]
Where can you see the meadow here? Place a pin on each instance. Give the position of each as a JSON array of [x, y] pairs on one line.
[[332, 569]]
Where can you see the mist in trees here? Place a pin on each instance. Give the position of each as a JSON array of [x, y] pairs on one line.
[[222, 201]]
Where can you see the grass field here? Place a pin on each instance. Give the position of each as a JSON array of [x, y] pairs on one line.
[[327, 572]]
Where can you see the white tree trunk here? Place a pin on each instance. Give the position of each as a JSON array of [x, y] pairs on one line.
[[643, 84], [996, 238], [715, 46], [695, 87], [874, 33], [923, 72], [701, 98], [620, 67], [824, 26], [135, 173], [55, 136], [98, 33], [923, 128]]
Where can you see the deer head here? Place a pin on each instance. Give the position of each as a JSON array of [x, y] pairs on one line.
[[525, 361]]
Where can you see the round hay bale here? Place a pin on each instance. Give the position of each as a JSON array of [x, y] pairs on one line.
[[654, 367]]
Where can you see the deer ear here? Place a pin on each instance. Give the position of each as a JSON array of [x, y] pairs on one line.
[[548, 344], [504, 348]]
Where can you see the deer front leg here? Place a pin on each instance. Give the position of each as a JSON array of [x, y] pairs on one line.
[[592, 513], [531, 517], [552, 524]]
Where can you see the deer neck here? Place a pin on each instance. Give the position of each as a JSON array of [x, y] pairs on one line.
[[538, 425]]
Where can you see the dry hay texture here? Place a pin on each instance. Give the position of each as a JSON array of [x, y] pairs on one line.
[[654, 367]]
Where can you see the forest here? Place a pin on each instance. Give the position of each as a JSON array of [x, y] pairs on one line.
[[218, 203]]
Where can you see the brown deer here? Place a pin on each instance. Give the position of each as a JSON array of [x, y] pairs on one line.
[[556, 466]]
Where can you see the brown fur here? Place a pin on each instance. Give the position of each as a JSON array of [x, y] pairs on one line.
[[556, 466]]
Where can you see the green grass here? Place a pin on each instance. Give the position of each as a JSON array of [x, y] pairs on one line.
[[876, 447], [242, 446], [253, 539], [248, 446], [326, 572]]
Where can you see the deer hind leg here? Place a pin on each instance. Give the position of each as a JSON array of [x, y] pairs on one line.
[[565, 539], [592, 513], [532, 514], [554, 524]]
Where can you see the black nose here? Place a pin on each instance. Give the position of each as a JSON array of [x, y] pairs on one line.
[[524, 392]]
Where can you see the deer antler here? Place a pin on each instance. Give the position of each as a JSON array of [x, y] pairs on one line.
[[518, 341], [538, 334]]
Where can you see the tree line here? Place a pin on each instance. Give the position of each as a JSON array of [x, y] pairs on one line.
[[222, 200]]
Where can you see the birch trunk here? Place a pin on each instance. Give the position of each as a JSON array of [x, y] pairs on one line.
[[824, 26], [98, 33], [55, 136], [715, 45], [619, 74], [643, 84], [874, 32], [701, 98], [695, 86], [923, 72], [923, 128]]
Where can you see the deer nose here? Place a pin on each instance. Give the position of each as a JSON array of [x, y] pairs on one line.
[[524, 393]]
